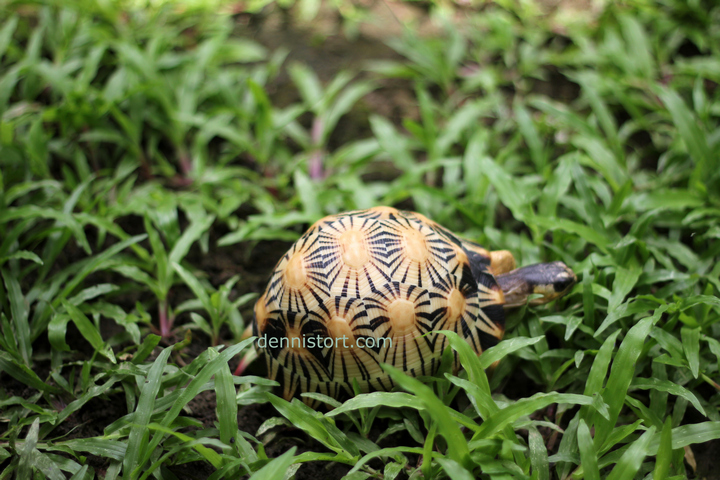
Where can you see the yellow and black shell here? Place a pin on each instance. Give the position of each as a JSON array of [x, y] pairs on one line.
[[364, 288]]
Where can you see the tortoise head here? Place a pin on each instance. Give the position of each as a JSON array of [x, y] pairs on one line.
[[551, 280]]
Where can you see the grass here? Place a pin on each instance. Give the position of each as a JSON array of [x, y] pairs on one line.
[[137, 141]]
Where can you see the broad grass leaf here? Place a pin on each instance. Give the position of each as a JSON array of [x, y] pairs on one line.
[[632, 307], [146, 348], [587, 233], [693, 300], [101, 447], [538, 455], [6, 33], [32, 458], [691, 347], [195, 285], [307, 84], [557, 185], [22, 373], [625, 280], [209, 367], [308, 192], [374, 399], [602, 159], [688, 435], [504, 348], [666, 199], [664, 453], [91, 265], [588, 454], [641, 55], [632, 459], [392, 470], [208, 454], [85, 473], [526, 406], [621, 375], [392, 142], [461, 120], [137, 440], [474, 367], [93, 392], [507, 187], [320, 429], [62, 219], [92, 292], [530, 134], [22, 254], [393, 452], [714, 346], [227, 413], [670, 343], [591, 84], [191, 234], [277, 467], [447, 427], [479, 397], [19, 316], [88, 330], [690, 132], [342, 104], [392, 400], [454, 470]]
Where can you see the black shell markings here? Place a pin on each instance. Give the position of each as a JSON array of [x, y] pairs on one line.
[[369, 287]]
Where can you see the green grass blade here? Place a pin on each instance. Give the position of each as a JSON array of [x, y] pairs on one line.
[[276, 468], [690, 132], [588, 454], [226, 405], [669, 387], [146, 348], [632, 459], [664, 453], [526, 406], [137, 440], [589, 234], [538, 455], [22, 373], [476, 372], [621, 374], [193, 388], [19, 316], [506, 347], [625, 280], [321, 430], [191, 234], [195, 286], [447, 427], [685, 435], [454, 470], [691, 347], [88, 330], [98, 446], [23, 254], [208, 454], [371, 400], [89, 267]]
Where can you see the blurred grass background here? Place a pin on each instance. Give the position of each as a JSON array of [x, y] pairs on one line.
[[157, 158]]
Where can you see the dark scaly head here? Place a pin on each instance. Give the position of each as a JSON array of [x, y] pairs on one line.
[[551, 280]]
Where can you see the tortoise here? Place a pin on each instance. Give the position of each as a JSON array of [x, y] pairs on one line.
[[367, 287]]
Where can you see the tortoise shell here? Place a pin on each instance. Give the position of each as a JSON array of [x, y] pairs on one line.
[[366, 287]]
